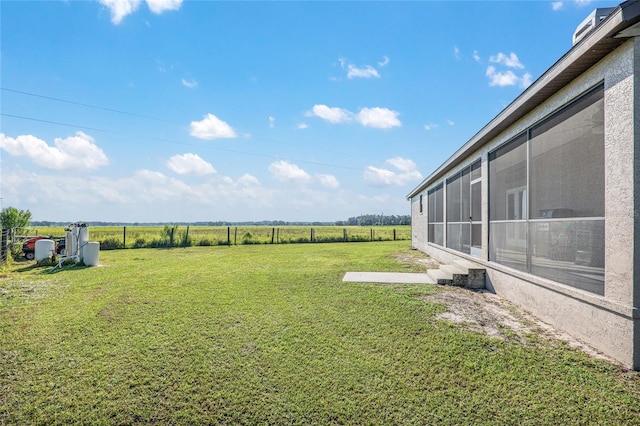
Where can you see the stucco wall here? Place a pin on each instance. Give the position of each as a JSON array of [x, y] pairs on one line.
[[419, 222], [609, 322]]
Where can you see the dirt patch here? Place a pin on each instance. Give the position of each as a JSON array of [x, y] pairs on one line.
[[491, 314], [418, 260], [488, 313]]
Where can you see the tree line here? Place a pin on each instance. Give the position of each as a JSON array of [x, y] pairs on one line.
[[11, 217]]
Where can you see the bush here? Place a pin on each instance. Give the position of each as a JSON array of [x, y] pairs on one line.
[[110, 244], [140, 243], [185, 240], [205, 242]]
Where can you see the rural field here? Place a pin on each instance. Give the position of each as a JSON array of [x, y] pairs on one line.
[[157, 236], [269, 334]]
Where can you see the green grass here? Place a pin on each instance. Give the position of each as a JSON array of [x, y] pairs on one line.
[[150, 236], [270, 335]]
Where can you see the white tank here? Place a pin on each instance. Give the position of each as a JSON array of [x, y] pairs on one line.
[[84, 235], [44, 249], [68, 243], [74, 242], [90, 253]]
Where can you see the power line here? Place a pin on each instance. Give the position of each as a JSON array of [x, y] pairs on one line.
[[132, 114], [186, 143], [66, 101], [55, 122]]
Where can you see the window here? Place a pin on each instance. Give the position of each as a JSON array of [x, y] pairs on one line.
[[436, 215], [546, 197], [464, 200], [507, 203], [566, 231]]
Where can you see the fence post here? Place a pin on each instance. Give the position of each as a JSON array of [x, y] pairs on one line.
[[344, 234], [186, 237], [311, 236], [371, 234], [229, 236], [394, 234], [124, 237], [173, 228], [278, 235], [273, 234], [235, 237], [3, 246]]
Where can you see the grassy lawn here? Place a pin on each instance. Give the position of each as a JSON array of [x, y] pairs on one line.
[[270, 335]]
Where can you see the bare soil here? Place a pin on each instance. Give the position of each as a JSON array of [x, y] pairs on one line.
[[491, 314]]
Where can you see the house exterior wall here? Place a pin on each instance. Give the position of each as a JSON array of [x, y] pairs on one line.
[[611, 323], [419, 223]]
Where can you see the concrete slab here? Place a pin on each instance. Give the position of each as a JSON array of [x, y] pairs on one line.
[[388, 278]]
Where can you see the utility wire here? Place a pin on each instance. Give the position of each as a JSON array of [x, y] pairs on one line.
[[66, 101], [132, 114], [55, 122], [337, 166]]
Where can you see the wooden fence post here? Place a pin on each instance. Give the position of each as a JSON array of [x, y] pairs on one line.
[[173, 228], [124, 237], [235, 237], [394, 234], [229, 236], [186, 237], [273, 234], [344, 234]]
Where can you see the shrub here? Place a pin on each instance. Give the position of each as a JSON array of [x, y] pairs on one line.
[[140, 242], [110, 244], [205, 242], [185, 240]]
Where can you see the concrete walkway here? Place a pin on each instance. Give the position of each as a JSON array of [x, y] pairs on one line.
[[388, 278]]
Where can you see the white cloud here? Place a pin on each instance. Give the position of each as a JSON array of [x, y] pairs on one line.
[[159, 6], [406, 172], [190, 164], [557, 5], [302, 126], [507, 78], [191, 84], [381, 118], [583, 2], [430, 126], [367, 72], [272, 122], [121, 8], [456, 52], [510, 61], [332, 115], [328, 181], [403, 164], [450, 122], [476, 57], [211, 127], [77, 152], [248, 180], [287, 172]]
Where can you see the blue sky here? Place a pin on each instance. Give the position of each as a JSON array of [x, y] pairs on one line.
[[170, 111]]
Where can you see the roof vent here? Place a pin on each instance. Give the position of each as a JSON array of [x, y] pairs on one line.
[[591, 22]]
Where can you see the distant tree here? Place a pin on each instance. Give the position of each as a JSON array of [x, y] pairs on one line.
[[10, 217]]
